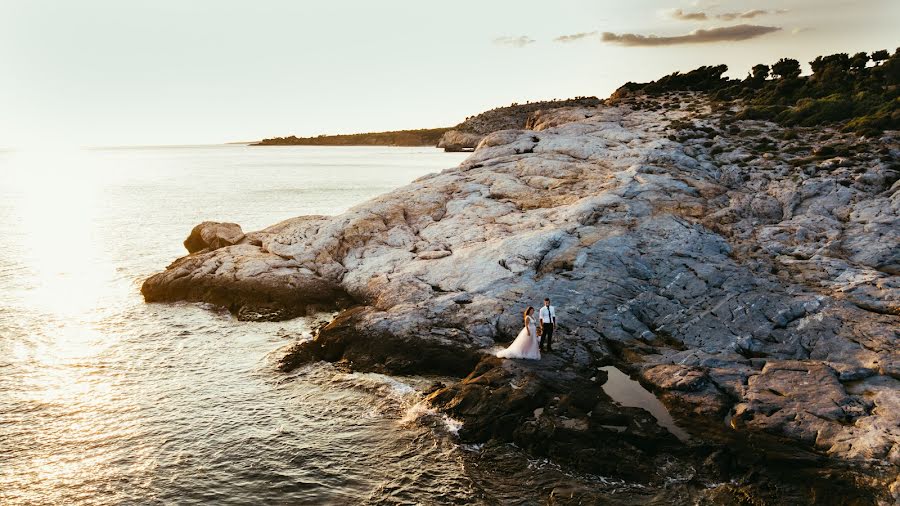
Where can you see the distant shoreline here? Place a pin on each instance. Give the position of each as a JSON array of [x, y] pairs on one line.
[[427, 137], [463, 137]]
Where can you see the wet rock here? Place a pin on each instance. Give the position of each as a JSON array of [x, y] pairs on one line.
[[688, 389], [559, 416], [376, 349]]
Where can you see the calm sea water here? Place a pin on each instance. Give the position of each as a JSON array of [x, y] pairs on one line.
[[107, 400]]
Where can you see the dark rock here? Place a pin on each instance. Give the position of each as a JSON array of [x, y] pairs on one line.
[[379, 351], [211, 235], [464, 298]]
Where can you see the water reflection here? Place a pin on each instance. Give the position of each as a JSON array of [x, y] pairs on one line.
[[107, 400], [628, 392]]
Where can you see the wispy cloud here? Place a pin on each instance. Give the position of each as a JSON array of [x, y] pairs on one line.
[[800, 29], [514, 41], [725, 16], [688, 16], [726, 33], [728, 16], [574, 37]]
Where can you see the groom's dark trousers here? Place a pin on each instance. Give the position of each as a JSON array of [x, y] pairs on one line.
[[547, 335]]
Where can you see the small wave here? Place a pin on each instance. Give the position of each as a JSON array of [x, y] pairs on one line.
[[421, 413], [385, 386]]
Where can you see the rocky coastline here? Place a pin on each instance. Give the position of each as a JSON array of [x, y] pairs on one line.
[[747, 275], [466, 135]]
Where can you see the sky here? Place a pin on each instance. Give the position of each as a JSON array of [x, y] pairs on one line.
[[122, 72]]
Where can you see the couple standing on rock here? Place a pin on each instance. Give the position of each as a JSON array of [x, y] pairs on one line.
[[530, 343]]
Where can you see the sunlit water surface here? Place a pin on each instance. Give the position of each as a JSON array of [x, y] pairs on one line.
[[107, 400]]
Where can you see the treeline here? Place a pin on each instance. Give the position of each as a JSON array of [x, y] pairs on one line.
[[861, 91], [421, 137]]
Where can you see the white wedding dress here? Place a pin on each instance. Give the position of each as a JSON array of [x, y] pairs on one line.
[[526, 344]]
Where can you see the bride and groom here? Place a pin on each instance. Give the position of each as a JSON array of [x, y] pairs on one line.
[[529, 343]]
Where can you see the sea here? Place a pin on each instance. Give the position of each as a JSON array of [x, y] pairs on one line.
[[108, 400]]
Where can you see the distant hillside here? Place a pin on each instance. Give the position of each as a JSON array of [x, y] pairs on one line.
[[515, 115], [462, 137], [421, 137], [466, 135]]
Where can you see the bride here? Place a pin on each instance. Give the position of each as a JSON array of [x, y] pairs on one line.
[[526, 344]]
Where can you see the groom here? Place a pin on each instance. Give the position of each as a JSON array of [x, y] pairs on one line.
[[547, 316]]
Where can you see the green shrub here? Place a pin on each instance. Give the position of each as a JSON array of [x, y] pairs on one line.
[[763, 112], [842, 89], [815, 111]]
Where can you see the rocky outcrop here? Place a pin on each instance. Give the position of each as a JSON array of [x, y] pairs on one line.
[[466, 135], [252, 283], [211, 235], [456, 140], [747, 280], [383, 352]]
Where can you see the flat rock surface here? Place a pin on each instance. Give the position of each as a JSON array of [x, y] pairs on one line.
[[761, 284]]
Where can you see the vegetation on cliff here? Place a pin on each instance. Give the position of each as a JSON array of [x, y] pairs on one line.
[[466, 135], [515, 115], [861, 92], [421, 137]]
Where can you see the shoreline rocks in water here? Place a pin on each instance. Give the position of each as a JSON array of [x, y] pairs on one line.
[[748, 283]]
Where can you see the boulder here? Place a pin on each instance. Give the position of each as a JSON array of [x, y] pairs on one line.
[[212, 235], [456, 140]]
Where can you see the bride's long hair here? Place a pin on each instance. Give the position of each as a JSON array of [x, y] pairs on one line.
[[528, 311]]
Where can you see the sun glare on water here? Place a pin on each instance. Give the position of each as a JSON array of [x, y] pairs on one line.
[[59, 195], [57, 220]]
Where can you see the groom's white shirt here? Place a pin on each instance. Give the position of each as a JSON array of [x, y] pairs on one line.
[[547, 314]]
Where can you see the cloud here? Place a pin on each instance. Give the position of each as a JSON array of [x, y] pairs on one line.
[[725, 16], [800, 29], [574, 37], [514, 41], [726, 33], [728, 16], [688, 16]]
